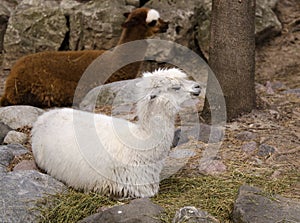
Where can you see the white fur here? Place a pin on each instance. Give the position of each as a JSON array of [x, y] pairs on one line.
[[152, 15], [110, 155]]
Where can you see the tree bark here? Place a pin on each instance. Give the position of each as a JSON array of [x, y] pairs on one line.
[[232, 55]]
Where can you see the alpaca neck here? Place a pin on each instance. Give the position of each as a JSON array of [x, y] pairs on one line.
[[132, 34], [159, 123], [133, 52]]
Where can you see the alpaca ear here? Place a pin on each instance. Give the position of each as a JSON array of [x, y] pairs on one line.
[[126, 14]]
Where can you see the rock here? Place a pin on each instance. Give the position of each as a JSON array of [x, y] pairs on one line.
[[265, 150], [295, 91], [25, 165], [4, 129], [20, 190], [16, 149], [14, 137], [17, 117], [180, 14], [176, 160], [6, 8], [7, 154], [249, 147], [34, 26], [211, 134], [4, 15], [245, 136], [38, 25], [135, 3], [191, 214], [139, 210], [211, 166], [267, 24], [114, 94], [253, 206], [96, 24], [202, 35]]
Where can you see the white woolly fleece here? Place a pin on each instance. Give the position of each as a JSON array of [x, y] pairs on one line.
[[171, 73], [152, 15], [110, 155]]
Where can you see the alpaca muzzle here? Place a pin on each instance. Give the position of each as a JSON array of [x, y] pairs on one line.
[[196, 90]]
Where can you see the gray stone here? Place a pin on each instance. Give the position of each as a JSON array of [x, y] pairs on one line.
[[245, 136], [20, 190], [17, 117], [265, 150], [114, 94], [211, 134], [295, 91], [4, 129], [96, 24], [7, 154], [38, 25], [211, 166], [6, 8], [249, 147], [139, 210], [4, 15], [14, 137], [252, 205], [34, 26], [191, 214], [25, 165], [267, 24], [135, 3]]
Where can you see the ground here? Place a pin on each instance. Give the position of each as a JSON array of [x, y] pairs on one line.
[[275, 123]]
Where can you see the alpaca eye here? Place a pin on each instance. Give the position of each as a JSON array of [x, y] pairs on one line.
[[177, 87], [152, 23]]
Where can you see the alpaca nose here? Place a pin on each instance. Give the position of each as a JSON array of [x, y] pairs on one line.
[[196, 89], [164, 27]]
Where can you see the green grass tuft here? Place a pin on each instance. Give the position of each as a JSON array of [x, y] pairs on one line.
[[215, 195]]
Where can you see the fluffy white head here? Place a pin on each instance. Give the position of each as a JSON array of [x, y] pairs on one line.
[[172, 73], [152, 15]]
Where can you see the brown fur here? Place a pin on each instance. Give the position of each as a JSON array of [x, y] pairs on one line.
[[48, 79]]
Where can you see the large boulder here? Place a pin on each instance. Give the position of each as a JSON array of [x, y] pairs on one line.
[[18, 117], [38, 25], [6, 8], [20, 190], [252, 205], [266, 22], [139, 210], [33, 26]]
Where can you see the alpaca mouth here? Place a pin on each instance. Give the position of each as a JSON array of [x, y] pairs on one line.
[[164, 28], [196, 93]]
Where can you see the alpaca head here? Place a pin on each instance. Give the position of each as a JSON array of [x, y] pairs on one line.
[[165, 90], [145, 20]]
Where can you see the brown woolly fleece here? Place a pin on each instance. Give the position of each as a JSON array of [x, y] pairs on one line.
[[50, 78]]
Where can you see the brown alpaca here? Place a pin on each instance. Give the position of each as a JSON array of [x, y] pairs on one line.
[[50, 78]]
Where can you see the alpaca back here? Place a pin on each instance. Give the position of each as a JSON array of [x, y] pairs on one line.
[[90, 159]]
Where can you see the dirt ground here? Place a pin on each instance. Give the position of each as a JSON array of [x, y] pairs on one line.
[[277, 120]]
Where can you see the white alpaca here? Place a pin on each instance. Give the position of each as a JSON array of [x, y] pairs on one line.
[[110, 155]]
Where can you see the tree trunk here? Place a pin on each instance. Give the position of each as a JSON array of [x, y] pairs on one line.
[[232, 55]]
